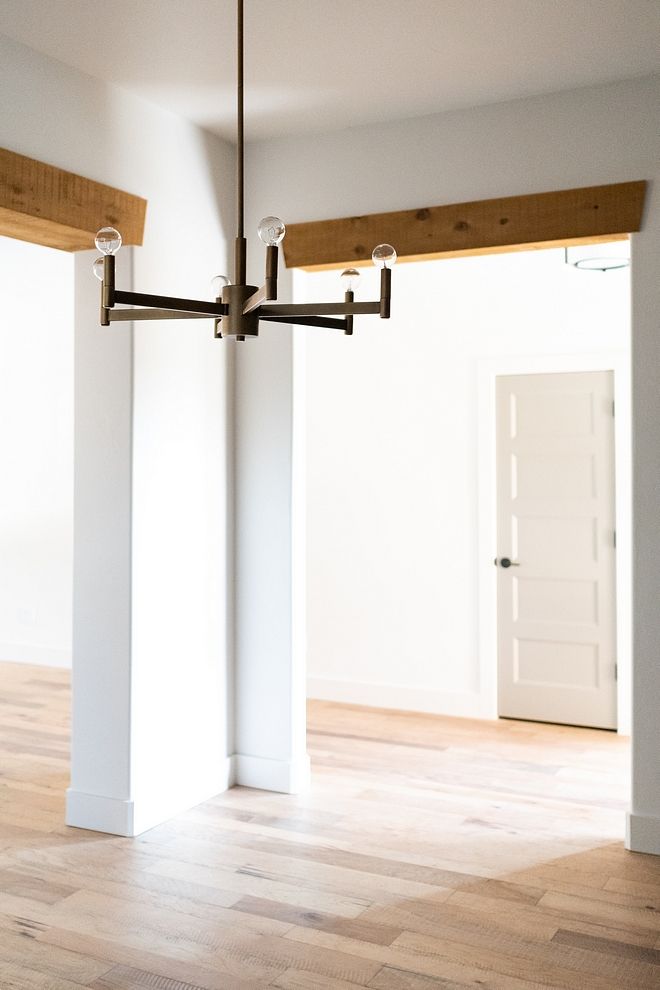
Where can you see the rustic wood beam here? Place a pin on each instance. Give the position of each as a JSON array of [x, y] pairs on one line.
[[596, 213], [46, 205]]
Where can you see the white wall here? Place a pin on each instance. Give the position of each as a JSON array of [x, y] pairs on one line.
[[392, 454], [36, 454], [563, 140], [152, 604]]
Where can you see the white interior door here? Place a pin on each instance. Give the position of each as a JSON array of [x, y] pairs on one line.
[[556, 605]]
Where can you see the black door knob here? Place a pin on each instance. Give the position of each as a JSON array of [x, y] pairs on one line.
[[505, 562]]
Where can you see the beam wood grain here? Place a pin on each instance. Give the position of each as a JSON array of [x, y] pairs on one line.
[[46, 205], [567, 216]]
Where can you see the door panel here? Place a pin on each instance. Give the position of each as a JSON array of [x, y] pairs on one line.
[[555, 521]]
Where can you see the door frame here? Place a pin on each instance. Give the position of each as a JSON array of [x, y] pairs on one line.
[[488, 370]]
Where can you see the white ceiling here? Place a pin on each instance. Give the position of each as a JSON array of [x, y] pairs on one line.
[[315, 65]]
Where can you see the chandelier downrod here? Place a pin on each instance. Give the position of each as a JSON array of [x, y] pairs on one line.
[[240, 247], [240, 122]]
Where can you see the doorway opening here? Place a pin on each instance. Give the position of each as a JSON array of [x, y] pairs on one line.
[[36, 498], [36, 450], [401, 535]]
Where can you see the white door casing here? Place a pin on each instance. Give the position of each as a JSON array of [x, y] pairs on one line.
[[556, 523]]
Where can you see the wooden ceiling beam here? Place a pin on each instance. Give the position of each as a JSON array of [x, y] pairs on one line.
[[46, 205], [595, 213]]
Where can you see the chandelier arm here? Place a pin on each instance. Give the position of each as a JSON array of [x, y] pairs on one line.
[[308, 321], [124, 315], [319, 309], [199, 306], [256, 300]]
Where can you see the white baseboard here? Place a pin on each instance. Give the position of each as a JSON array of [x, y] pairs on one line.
[[643, 833], [98, 813], [412, 699], [284, 776], [41, 656], [133, 817]]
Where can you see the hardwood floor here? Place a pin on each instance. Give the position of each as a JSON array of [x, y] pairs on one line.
[[431, 852]]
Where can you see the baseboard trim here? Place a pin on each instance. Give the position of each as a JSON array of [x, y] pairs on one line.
[[40, 656], [463, 704], [283, 776], [133, 817], [643, 833], [99, 813]]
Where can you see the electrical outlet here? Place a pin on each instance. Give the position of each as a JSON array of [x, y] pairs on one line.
[[27, 615]]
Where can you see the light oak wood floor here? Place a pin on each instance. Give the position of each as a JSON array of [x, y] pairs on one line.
[[431, 852]]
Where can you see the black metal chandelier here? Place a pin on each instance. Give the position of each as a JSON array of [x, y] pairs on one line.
[[238, 308]]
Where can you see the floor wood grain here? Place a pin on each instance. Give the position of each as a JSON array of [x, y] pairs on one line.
[[431, 852]]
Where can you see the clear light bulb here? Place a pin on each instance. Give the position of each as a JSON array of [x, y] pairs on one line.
[[97, 268], [383, 256], [271, 230], [218, 282], [108, 240], [350, 279]]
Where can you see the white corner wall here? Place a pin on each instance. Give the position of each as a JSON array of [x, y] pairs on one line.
[[36, 453], [394, 510], [584, 137], [153, 448]]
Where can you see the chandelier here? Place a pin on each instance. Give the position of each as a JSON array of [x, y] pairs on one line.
[[238, 308]]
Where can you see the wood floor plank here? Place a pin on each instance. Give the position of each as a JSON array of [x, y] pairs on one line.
[[609, 947], [255, 883], [586, 909], [643, 889], [204, 969], [22, 977], [358, 928], [511, 957], [281, 862], [455, 966], [129, 978], [115, 918], [20, 946], [397, 979], [506, 890], [36, 888], [582, 965], [632, 936], [452, 921], [152, 892], [364, 863], [297, 979]]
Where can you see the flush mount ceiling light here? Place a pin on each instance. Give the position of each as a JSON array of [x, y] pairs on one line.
[[586, 260], [238, 308]]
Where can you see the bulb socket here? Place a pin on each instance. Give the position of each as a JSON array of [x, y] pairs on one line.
[[349, 297], [108, 290], [385, 292], [272, 262]]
